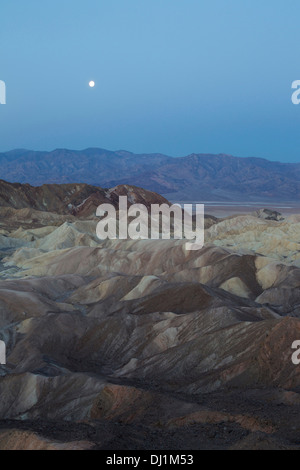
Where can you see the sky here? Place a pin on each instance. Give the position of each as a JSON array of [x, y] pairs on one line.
[[172, 76]]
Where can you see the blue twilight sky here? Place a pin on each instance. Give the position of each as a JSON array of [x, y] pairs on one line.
[[172, 76]]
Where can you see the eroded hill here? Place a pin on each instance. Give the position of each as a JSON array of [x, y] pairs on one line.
[[132, 344]]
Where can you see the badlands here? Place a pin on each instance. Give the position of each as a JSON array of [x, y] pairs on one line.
[[141, 344]]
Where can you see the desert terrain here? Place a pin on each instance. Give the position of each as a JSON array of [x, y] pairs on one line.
[[141, 344]]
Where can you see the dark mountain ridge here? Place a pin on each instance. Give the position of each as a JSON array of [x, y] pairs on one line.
[[201, 177], [75, 199]]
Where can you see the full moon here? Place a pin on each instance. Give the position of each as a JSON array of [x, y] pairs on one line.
[[92, 83]]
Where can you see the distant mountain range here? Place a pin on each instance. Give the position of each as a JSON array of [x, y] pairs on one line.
[[196, 177]]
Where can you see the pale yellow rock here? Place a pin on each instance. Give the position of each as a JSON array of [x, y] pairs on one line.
[[237, 287]]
